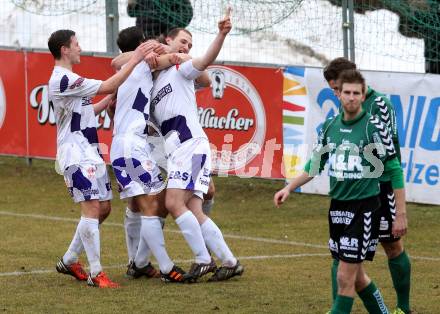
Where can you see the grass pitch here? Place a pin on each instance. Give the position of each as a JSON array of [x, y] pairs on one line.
[[287, 264]]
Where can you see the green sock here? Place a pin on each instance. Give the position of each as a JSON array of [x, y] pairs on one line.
[[400, 268], [334, 275], [342, 305], [373, 300]]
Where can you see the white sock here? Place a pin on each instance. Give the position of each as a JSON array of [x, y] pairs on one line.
[[132, 225], [89, 232], [207, 206], [216, 243], [74, 250], [152, 234], [190, 228], [143, 254]]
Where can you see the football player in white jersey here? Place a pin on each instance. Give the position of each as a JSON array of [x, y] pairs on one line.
[[189, 157], [179, 40], [133, 221], [138, 175], [78, 155]]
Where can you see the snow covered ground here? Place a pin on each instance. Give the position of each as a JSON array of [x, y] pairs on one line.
[[311, 35]]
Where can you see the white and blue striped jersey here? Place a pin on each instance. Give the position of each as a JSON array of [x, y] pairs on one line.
[[174, 107], [77, 137], [133, 102]]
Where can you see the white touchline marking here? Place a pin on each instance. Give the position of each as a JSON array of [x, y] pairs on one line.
[[260, 257], [258, 239], [231, 236]]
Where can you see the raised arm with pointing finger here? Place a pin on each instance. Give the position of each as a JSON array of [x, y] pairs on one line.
[[224, 26]]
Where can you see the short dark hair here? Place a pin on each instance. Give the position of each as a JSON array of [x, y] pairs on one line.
[[62, 37], [336, 66], [351, 76], [130, 38], [175, 31]]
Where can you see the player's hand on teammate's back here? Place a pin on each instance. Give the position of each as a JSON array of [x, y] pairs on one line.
[[400, 225], [166, 48], [225, 24], [144, 49], [280, 197], [151, 59], [160, 48]]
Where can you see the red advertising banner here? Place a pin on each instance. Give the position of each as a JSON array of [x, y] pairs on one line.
[[12, 103], [241, 113], [42, 129]]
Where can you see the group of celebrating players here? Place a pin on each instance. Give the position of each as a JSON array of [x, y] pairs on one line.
[[154, 82]]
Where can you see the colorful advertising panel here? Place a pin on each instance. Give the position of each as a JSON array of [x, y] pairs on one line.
[[260, 121]]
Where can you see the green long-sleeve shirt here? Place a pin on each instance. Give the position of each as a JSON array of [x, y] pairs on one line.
[[377, 104]]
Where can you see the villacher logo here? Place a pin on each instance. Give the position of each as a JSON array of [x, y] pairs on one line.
[[2, 103], [39, 100], [232, 112]]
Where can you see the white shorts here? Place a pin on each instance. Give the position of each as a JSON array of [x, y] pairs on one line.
[[189, 166], [157, 146], [87, 182], [135, 169]]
